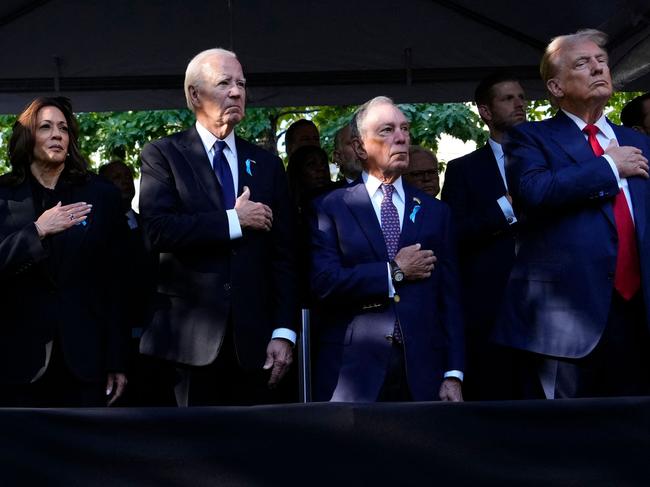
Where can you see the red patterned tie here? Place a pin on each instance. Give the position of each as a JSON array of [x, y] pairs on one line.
[[627, 279]]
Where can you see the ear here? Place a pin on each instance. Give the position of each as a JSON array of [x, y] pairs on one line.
[[554, 88], [336, 157], [484, 113], [359, 149], [194, 95]]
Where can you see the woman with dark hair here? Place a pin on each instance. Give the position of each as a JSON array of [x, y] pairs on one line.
[[61, 240], [309, 174]]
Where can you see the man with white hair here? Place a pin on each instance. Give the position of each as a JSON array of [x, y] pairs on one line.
[[387, 321], [217, 211], [577, 300]]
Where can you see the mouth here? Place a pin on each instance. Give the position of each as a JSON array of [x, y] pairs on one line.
[[600, 82], [56, 147]]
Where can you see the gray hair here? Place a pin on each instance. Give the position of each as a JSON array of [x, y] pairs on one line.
[[362, 113], [194, 72]]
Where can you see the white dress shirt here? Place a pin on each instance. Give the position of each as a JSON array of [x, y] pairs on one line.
[[234, 227], [502, 201], [604, 136], [373, 186]]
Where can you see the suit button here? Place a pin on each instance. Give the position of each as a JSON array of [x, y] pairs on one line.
[[233, 252], [510, 219], [227, 286], [610, 276], [389, 338]]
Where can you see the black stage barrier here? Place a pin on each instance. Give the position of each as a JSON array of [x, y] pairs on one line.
[[541, 443]]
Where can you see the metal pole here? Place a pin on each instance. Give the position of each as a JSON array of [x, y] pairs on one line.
[[304, 358]]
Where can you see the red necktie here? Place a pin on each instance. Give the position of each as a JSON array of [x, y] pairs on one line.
[[627, 279]]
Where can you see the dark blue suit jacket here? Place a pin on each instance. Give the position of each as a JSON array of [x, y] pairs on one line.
[[204, 278], [350, 282], [486, 241], [560, 289]]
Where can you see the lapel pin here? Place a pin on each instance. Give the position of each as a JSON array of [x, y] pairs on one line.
[[248, 166], [416, 208]]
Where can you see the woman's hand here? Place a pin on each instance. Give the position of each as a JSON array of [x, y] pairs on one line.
[[60, 218]]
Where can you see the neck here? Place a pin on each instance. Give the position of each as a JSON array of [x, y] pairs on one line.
[[588, 114], [496, 135], [220, 131], [46, 175], [385, 178]]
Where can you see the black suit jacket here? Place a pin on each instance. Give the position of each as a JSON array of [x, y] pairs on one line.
[[204, 278], [486, 240], [63, 287]]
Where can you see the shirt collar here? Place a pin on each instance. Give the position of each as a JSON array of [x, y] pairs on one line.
[[373, 185], [601, 123], [208, 139], [496, 149]]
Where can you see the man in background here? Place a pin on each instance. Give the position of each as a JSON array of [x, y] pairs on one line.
[[477, 192]]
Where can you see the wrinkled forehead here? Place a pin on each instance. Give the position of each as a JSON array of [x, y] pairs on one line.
[[221, 65], [384, 113], [572, 51]]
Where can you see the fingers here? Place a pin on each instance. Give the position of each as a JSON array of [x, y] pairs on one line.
[[243, 197], [279, 356], [116, 384]]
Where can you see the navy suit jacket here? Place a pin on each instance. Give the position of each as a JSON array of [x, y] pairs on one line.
[[486, 241], [560, 290], [205, 279], [350, 281]]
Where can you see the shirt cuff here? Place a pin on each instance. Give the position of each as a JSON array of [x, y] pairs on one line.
[[454, 373], [391, 288], [614, 169], [234, 228], [507, 210], [285, 333]]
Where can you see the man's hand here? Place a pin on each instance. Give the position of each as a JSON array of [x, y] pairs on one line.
[[252, 215], [451, 390], [628, 160], [279, 355], [415, 263], [115, 384]]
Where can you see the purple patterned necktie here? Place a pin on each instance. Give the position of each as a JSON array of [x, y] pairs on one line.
[[390, 229], [389, 220]]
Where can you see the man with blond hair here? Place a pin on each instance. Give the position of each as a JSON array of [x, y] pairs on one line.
[[217, 212], [577, 301]]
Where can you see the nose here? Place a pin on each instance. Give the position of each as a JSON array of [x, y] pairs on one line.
[[401, 136], [235, 91], [56, 133], [596, 66]]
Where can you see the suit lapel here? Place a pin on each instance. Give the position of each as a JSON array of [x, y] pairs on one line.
[[198, 161], [357, 200], [638, 188], [245, 170], [566, 133], [487, 172], [412, 218]]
